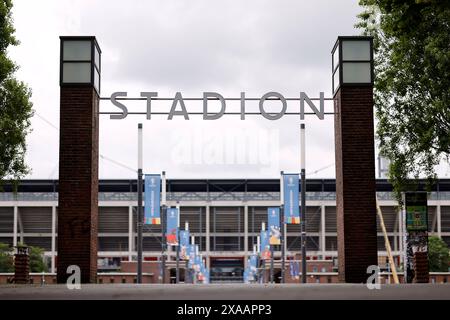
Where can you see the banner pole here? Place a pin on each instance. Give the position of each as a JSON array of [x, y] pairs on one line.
[[303, 204], [163, 227], [178, 247], [283, 227], [271, 263], [139, 205]]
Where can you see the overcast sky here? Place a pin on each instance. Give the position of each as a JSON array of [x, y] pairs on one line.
[[189, 46]]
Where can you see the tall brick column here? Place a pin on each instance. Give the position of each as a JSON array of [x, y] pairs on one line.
[[78, 178], [352, 81]]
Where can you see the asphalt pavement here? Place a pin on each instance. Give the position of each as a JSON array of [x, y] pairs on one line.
[[226, 292]]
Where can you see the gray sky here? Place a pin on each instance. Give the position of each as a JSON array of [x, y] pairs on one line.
[[192, 47]]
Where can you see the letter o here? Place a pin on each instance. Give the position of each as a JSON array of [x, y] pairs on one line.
[[268, 115]]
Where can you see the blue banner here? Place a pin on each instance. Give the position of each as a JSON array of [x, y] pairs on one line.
[[264, 246], [184, 243], [294, 269], [152, 213], [172, 226], [253, 263], [291, 202], [197, 263], [273, 215], [192, 251]]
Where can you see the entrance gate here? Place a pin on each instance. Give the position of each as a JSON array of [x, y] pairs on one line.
[[352, 82]]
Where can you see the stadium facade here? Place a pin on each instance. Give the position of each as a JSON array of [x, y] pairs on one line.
[[224, 215]]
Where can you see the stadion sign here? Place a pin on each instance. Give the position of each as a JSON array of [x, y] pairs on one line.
[[178, 107]]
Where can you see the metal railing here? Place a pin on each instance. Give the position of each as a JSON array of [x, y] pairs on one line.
[[201, 196]]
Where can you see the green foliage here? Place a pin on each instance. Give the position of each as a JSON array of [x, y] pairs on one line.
[[37, 263], [412, 84], [6, 258], [15, 105], [438, 255]]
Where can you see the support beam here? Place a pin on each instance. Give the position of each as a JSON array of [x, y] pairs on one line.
[[245, 235], [130, 233], [20, 224], [439, 221], [322, 230], [208, 246], [15, 226], [53, 261]]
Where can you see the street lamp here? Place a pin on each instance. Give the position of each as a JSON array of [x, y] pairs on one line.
[[352, 62], [80, 62]]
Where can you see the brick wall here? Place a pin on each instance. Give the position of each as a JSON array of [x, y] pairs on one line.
[[355, 182], [78, 182]]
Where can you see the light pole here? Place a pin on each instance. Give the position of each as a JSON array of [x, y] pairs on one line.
[[163, 227], [139, 207], [177, 279], [283, 225], [303, 203]]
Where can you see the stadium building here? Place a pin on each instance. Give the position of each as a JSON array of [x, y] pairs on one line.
[[225, 216]]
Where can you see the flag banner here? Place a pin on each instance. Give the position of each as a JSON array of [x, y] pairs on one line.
[[184, 243], [202, 272], [246, 276], [206, 280], [294, 269], [172, 227], [197, 263], [273, 215], [152, 214], [264, 248], [192, 251], [291, 202], [253, 266]]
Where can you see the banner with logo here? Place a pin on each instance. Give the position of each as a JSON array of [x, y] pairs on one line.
[[152, 214], [253, 263], [172, 227], [294, 269], [264, 248], [197, 263], [273, 215], [184, 243], [416, 238], [192, 251], [291, 202]]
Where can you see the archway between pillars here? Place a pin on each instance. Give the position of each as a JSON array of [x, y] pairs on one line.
[[352, 79]]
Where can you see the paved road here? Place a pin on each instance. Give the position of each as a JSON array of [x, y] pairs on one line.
[[226, 292]]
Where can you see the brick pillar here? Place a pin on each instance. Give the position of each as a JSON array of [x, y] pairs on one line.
[[355, 182], [78, 182], [22, 266]]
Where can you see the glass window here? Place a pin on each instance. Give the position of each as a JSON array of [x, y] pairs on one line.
[[355, 72], [76, 72], [355, 50], [336, 79], [96, 80], [97, 58], [77, 50], [336, 58]]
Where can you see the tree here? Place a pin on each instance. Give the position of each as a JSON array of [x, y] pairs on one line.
[[438, 255], [37, 263], [15, 106], [412, 81], [6, 258]]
